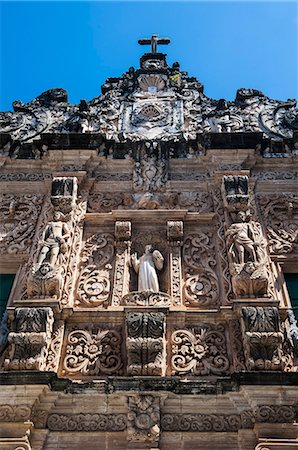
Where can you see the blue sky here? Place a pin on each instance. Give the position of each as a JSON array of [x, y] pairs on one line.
[[77, 45]]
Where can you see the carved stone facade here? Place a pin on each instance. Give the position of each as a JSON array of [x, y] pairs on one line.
[[149, 230]]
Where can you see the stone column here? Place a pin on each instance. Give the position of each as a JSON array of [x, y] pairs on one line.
[[175, 240], [121, 276]]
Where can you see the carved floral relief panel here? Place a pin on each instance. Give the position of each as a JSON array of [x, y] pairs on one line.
[[18, 219], [96, 270], [199, 349], [92, 350], [103, 202], [280, 216], [201, 285]]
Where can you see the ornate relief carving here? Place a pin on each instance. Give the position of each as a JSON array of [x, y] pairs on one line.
[[237, 345], [275, 175], [223, 256], [201, 283], [101, 202], [228, 422], [55, 348], [93, 353], [64, 193], [175, 240], [150, 174], [18, 219], [196, 201], [147, 298], [24, 176], [95, 274], [207, 422], [75, 247], [280, 215], [235, 189], [47, 273], [14, 413], [145, 343], [143, 418], [247, 257], [29, 340], [200, 350], [275, 414], [121, 275], [87, 422], [262, 338]]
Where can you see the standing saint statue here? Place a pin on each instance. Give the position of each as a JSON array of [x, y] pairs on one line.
[[146, 267]]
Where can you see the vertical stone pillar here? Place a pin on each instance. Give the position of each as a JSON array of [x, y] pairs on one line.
[[175, 240], [121, 276], [146, 343]]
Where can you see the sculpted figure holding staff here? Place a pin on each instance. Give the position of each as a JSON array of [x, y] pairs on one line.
[[146, 267]]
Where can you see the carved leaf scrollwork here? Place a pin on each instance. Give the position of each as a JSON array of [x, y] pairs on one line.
[[280, 215], [18, 218], [93, 354], [201, 282], [94, 282], [200, 351]]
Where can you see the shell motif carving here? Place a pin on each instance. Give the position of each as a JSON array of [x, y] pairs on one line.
[[149, 81]]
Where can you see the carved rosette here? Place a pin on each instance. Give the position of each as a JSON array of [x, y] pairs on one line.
[[201, 286], [89, 353], [143, 419], [94, 286], [200, 350], [280, 217]]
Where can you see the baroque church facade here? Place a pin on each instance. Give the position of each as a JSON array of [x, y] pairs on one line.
[[149, 234]]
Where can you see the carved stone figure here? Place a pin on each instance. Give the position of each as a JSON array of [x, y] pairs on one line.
[[55, 241], [242, 243], [247, 256], [146, 269]]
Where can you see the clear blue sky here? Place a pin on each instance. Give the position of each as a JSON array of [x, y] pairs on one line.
[[77, 45]]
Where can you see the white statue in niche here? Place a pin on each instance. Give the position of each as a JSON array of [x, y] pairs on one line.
[[146, 267]]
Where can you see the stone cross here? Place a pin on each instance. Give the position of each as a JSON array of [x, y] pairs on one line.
[[154, 41]]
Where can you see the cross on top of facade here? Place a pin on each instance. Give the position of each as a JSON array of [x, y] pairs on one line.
[[154, 41]]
